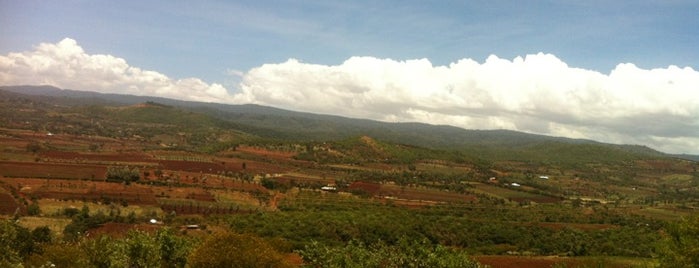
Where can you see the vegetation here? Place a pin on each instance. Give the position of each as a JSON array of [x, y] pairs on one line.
[[147, 182], [123, 174], [680, 246], [235, 250], [405, 253]]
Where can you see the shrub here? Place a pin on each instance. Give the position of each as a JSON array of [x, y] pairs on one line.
[[236, 250]]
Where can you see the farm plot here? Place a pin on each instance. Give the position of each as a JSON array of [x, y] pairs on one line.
[[195, 166], [104, 192], [265, 152], [554, 261], [513, 195], [409, 193], [8, 205], [97, 157], [51, 170], [203, 208], [424, 194], [119, 230]]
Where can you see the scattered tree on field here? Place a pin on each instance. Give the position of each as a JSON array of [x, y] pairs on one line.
[[123, 174]]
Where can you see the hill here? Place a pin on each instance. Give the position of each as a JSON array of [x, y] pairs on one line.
[[302, 180], [278, 124]]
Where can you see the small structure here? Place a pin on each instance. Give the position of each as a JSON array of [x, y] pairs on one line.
[[514, 184], [544, 177], [329, 188]]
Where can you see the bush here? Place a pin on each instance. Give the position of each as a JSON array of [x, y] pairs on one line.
[[33, 209], [123, 174], [236, 250], [405, 253], [680, 246]]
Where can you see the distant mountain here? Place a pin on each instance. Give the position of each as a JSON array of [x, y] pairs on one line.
[[274, 123]]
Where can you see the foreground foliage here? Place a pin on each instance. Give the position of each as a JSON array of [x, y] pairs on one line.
[[236, 250], [680, 247], [405, 253]]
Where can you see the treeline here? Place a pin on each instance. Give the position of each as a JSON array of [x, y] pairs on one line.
[[481, 231]]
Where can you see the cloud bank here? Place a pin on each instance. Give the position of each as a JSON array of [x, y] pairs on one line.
[[66, 65], [536, 93]]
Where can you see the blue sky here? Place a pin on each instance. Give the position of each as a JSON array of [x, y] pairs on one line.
[[206, 38], [612, 71]]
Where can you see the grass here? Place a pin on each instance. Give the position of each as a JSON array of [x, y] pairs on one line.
[[502, 192], [55, 207], [662, 213], [55, 224]]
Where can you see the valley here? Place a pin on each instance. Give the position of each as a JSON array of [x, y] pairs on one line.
[[304, 184]]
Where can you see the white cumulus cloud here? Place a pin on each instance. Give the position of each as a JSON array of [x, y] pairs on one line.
[[536, 93], [66, 65]]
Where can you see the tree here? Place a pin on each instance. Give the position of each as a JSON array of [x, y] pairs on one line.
[[680, 246], [405, 253], [123, 174], [103, 252], [59, 255], [33, 209], [173, 249], [9, 257], [235, 250], [141, 250], [33, 147], [42, 234]]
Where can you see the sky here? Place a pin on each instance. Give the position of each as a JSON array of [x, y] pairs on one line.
[[614, 71]]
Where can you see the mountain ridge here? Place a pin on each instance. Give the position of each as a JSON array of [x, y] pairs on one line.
[[275, 123]]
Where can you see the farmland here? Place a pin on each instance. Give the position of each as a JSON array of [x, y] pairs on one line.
[[64, 171]]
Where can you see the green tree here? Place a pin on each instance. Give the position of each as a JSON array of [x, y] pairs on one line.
[[59, 255], [103, 252], [42, 234], [141, 250], [235, 250], [123, 174], [405, 253], [680, 247], [173, 249], [9, 257], [33, 209]]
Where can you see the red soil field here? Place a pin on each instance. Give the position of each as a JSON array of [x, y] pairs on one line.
[[119, 230], [84, 190], [193, 166], [548, 262], [8, 205], [201, 196], [407, 193], [371, 188], [121, 157], [542, 199], [522, 262], [52, 170], [265, 152], [286, 180], [579, 226], [424, 194]]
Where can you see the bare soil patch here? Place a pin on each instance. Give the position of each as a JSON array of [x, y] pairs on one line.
[[52, 170]]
